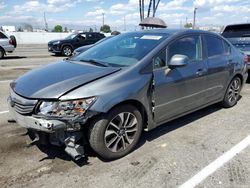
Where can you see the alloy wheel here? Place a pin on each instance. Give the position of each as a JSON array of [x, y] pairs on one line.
[[67, 51], [121, 131], [234, 90]]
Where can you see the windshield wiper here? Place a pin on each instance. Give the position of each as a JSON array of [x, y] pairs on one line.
[[94, 62]]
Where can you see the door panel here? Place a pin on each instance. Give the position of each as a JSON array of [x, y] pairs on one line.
[[179, 90], [182, 89], [218, 67]]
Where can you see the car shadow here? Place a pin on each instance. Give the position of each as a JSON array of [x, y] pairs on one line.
[[13, 57], [173, 125], [58, 55], [54, 152], [58, 152]]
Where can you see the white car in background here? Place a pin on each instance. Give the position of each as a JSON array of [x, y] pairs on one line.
[[7, 44]]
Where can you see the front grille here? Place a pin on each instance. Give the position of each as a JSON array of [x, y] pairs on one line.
[[20, 104], [23, 109]]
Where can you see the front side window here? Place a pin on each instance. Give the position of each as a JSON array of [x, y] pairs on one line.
[[189, 46], [214, 46], [71, 36], [123, 50]]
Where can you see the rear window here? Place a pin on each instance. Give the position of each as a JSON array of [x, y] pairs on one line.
[[235, 31], [3, 36], [214, 45]]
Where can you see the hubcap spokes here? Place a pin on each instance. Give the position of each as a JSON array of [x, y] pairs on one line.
[[120, 132], [67, 51], [233, 92]]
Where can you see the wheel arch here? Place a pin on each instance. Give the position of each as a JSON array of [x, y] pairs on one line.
[[67, 44], [136, 104], [240, 76], [2, 49]]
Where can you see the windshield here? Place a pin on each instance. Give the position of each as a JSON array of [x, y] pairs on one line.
[[71, 36], [237, 31], [123, 50], [102, 40]]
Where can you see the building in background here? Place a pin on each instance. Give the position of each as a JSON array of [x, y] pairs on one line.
[[8, 28], [216, 29]]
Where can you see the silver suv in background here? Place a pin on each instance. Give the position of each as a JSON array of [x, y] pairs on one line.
[[7, 44], [239, 36]]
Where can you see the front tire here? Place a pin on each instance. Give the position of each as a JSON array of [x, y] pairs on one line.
[[233, 93], [67, 51], [116, 133]]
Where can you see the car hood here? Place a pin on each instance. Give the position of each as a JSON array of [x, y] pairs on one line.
[[61, 40], [84, 48], [53, 80]]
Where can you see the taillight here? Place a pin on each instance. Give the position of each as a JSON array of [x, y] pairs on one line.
[[10, 42], [247, 58]]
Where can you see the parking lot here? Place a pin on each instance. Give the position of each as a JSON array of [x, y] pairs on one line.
[[168, 156]]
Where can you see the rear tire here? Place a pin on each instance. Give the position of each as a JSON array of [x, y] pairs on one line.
[[1, 53], [232, 94], [115, 134]]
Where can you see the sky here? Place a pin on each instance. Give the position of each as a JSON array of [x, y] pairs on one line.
[[88, 13]]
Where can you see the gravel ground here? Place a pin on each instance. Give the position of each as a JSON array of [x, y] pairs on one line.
[[167, 156]]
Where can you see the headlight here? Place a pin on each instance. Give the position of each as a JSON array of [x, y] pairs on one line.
[[66, 108], [55, 43]]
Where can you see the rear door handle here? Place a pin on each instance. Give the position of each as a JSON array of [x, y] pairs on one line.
[[200, 72]]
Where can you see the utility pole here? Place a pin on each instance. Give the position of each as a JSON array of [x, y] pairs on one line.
[[195, 9], [124, 23], [45, 22], [142, 4], [103, 18]]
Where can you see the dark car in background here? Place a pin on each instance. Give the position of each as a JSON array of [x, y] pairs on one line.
[[107, 95], [84, 48], [69, 44], [239, 36]]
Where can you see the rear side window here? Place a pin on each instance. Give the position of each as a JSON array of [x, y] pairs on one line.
[[214, 45], [236, 31], [189, 46], [2, 36]]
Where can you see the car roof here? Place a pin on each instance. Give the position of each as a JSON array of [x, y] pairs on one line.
[[175, 31], [241, 24]]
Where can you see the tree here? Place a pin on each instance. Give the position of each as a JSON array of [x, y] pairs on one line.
[[188, 25], [105, 29], [58, 28], [65, 29], [20, 29], [115, 33], [91, 30]]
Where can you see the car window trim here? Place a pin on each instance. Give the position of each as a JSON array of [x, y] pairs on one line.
[[188, 35], [174, 40]]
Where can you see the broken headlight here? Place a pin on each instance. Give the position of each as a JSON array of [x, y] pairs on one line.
[[65, 108]]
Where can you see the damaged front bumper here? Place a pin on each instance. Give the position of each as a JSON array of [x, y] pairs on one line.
[[54, 131]]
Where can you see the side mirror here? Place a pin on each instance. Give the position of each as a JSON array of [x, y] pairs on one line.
[[178, 61]]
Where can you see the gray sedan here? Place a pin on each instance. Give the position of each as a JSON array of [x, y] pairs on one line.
[[136, 81]]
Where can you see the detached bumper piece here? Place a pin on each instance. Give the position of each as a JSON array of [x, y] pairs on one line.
[[76, 151]]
